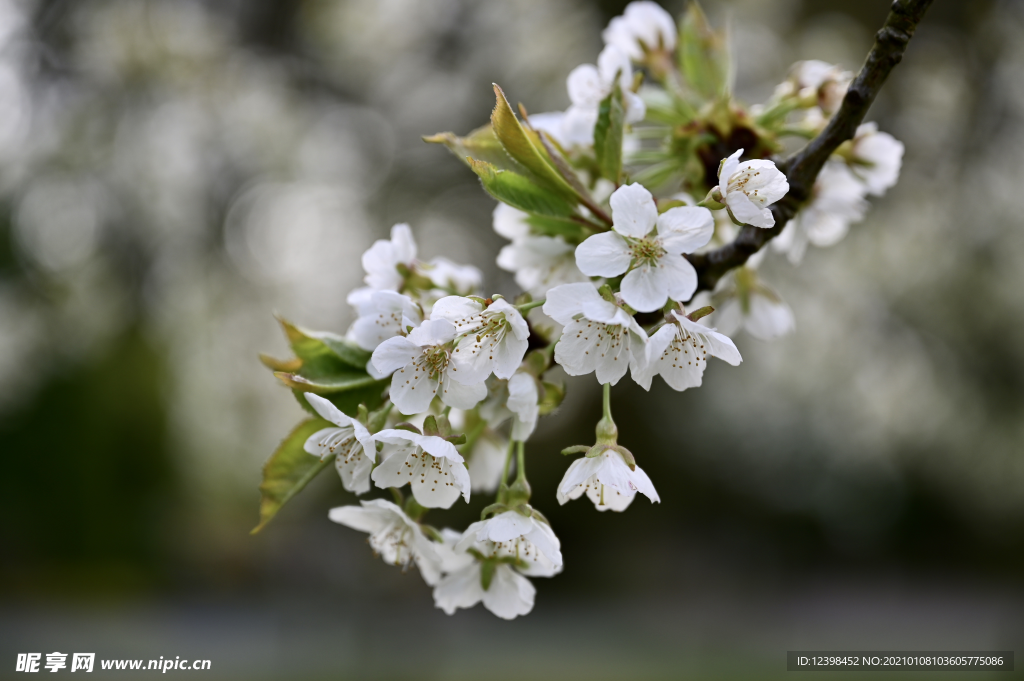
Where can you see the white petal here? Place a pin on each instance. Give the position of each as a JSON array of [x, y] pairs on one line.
[[566, 301], [436, 483], [486, 463], [459, 589], [644, 485], [460, 396], [685, 229], [371, 517], [602, 311], [393, 354], [603, 255], [393, 472], [510, 594], [436, 446], [645, 288], [728, 169], [607, 498], [508, 221], [634, 213], [354, 468], [680, 276], [455, 308], [327, 410], [433, 332], [577, 474], [328, 441], [585, 86], [403, 243], [747, 212], [614, 62], [522, 401], [412, 389]]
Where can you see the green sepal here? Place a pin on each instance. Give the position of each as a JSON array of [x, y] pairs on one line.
[[699, 313], [430, 426], [608, 135], [487, 568], [409, 427], [432, 533], [520, 191], [554, 394], [576, 449], [704, 55], [413, 509], [289, 469], [540, 516], [493, 509], [518, 493]]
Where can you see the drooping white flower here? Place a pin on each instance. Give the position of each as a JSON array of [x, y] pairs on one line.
[[679, 351], [495, 573], [487, 460], [748, 189], [513, 534], [742, 301], [607, 481], [382, 260], [598, 335], [643, 27], [393, 535], [350, 442], [421, 366], [452, 277], [826, 82], [523, 403], [877, 157], [381, 315], [837, 202], [508, 594], [657, 270], [588, 85], [492, 338], [430, 464]]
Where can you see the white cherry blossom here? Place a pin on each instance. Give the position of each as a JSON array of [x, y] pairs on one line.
[[588, 85], [488, 339], [539, 262], [421, 366], [487, 461], [349, 441], [453, 277], [430, 464], [837, 201], [643, 27], [679, 351], [607, 481], [599, 336], [877, 157], [383, 315], [825, 82], [652, 260], [382, 259], [508, 595], [742, 301], [393, 535], [748, 189], [524, 537], [523, 403]]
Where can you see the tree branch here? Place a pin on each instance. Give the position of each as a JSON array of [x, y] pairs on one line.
[[803, 167]]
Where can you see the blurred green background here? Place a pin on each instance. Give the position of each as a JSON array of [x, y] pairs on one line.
[[173, 173]]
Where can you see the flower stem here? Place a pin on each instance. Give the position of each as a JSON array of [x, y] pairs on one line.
[[520, 460], [526, 307], [608, 401], [508, 460]]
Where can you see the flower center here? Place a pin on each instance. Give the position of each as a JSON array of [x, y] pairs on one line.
[[646, 251], [435, 360], [739, 183]]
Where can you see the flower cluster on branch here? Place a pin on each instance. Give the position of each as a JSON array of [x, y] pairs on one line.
[[612, 210]]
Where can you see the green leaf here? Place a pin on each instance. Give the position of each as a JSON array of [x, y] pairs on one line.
[[521, 192], [289, 470], [323, 353], [608, 135], [481, 144], [704, 55], [526, 148], [340, 383], [572, 232], [487, 573]]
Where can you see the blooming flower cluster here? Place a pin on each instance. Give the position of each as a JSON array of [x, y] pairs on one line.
[[436, 388]]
